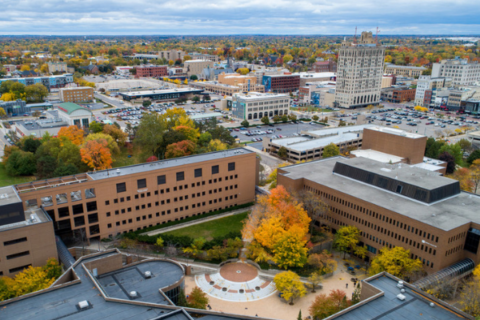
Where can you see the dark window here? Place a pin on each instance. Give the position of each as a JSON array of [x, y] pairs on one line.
[[92, 206], [215, 169], [128, 198], [108, 214], [115, 200], [198, 173], [77, 209], [10, 242], [79, 221], [109, 225], [399, 189], [472, 240], [63, 212], [231, 166], [107, 202], [122, 199], [19, 268], [136, 196], [94, 229], [161, 179], [180, 176], [121, 187], [141, 183], [92, 218]]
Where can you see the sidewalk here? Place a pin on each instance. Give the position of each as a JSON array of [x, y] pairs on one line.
[[194, 222]]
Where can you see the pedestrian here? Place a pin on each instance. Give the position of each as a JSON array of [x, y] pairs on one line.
[[346, 285]]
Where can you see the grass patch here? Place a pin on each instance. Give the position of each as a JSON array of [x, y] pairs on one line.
[[122, 159], [6, 180], [212, 229]]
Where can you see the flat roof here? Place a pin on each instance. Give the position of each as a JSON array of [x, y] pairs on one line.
[[376, 155], [206, 115], [32, 216], [404, 67], [166, 91], [281, 75], [42, 124], [8, 195], [303, 144], [338, 130], [305, 75], [169, 163], [398, 132], [446, 214], [387, 306], [260, 95]]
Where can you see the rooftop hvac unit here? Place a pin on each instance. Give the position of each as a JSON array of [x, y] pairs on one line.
[[401, 297], [400, 284], [118, 171], [133, 294], [148, 274], [83, 304]]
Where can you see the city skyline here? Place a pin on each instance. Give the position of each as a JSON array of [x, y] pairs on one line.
[[55, 17]]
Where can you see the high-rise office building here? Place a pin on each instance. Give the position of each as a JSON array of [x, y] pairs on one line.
[[359, 72]]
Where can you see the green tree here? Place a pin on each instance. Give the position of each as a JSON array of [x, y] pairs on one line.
[[204, 139], [299, 315], [149, 134], [46, 167], [276, 119], [182, 300], [473, 156], [464, 144], [65, 169], [282, 152], [193, 77], [197, 299], [30, 144], [315, 118], [53, 269], [292, 117], [395, 261], [245, 123], [284, 118], [95, 127], [21, 163], [265, 120], [146, 103], [346, 239], [36, 92], [330, 150], [454, 150], [289, 285], [195, 99]]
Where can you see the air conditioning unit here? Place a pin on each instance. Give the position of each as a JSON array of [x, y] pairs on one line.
[[133, 294], [148, 274], [400, 284], [83, 304], [401, 297]]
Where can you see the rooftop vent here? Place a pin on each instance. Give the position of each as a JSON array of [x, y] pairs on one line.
[[400, 284], [33, 218], [133, 294], [118, 171], [83, 304], [148, 274], [432, 304], [401, 297]]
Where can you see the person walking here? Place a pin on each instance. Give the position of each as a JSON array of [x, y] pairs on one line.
[[346, 285]]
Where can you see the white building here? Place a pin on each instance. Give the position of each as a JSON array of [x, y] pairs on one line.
[[427, 87], [255, 105], [359, 72], [459, 70]]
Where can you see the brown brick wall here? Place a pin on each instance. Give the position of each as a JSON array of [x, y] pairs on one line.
[[105, 265], [409, 148], [40, 244], [154, 212]]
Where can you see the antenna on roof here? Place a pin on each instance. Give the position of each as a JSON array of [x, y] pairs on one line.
[[376, 35], [355, 36]]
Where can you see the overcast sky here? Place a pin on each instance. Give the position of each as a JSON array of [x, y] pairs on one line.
[[116, 17]]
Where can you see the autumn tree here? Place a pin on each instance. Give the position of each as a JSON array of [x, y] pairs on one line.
[[111, 144], [470, 296], [96, 154], [290, 250], [116, 133], [324, 306], [282, 152], [189, 132], [323, 261], [464, 177], [315, 279], [216, 145], [265, 120], [395, 261], [243, 71], [72, 133], [313, 204], [180, 149], [290, 286], [330, 150], [346, 239], [197, 299], [149, 134]]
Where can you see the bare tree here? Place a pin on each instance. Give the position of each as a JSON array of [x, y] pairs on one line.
[[315, 206]]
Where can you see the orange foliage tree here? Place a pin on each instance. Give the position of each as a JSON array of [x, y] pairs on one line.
[[72, 133], [116, 133], [324, 306], [96, 154], [180, 149], [278, 227]]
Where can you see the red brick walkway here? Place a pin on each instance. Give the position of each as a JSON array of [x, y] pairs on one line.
[[230, 272]]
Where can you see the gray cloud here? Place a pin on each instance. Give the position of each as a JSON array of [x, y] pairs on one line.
[[238, 17]]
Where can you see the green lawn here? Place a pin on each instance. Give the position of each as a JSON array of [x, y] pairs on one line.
[[6, 180], [212, 229], [122, 159]]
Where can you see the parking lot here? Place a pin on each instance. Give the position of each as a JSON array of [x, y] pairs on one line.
[[282, 129]]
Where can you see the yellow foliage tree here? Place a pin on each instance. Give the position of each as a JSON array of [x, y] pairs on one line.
[[290, 286], [243, 71], [8, 96], [216, 145], [25, 67], [395, 261], [116, 133], [30, 280], [111, 144]]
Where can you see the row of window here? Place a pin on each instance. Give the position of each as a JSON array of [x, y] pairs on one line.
[[457, 237], [375, 215], [14, 241], [77, 209]]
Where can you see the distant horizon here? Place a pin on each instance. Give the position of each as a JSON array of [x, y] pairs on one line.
[[238, 34], [231, 17]]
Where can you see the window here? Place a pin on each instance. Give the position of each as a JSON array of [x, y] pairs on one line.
[[180, 176], [94, 229], [19, 268], [107, 202], [77, 209], [93, 218], [92, 206], [76, 195], [215, 169], [399, 189], [121, 187], [79, 221], [198, 172], [231, 166], [10, 242], [141, 183], [161, 179], [90, 193], [63, 212]]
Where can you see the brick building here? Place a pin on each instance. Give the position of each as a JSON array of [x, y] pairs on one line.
[[151, 71], [105, 203], [26, 236], [398, 95], [325, 66], [394, 204], [76, 94], [282, 83]]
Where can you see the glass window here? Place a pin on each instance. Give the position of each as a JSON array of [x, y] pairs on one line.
[[180, 176], [92, 206], [161, 179], [141, 183], [198, 172], [215, 169], [77, 209], [31, 203], [121, 187]]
